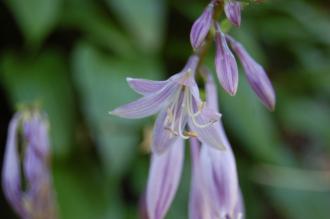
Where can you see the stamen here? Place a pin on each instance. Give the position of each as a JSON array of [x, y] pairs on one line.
[[172, 132], [181, 133], [202, 125], [190, 133]]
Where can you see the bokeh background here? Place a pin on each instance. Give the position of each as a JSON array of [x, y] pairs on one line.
[[71, 57]]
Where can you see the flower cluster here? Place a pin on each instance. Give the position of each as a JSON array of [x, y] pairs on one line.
[[182, 114], [225, 62], [26, 178]]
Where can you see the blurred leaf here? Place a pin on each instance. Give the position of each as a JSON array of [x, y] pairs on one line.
[[145, 20], [89, 18], [82, 194], [252, 124], [102, 86], [308, 117], [43, 79], [35, 17], [295, 204]]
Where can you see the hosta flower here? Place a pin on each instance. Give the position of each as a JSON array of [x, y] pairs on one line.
[[201, 27], [26, 176], [233, 12], [215, 191], [164, 176], [225, 63], [255, 74], [178, 103]]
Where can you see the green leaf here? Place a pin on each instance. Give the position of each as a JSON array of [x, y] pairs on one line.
[[88, 17], [101, 83], [83, 194], [36, 18], [253, 124], [145, 20], [43, 79]]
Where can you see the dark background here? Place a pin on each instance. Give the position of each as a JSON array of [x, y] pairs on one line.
[[71, 57]]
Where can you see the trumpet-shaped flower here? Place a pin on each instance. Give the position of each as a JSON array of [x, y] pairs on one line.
[[26, 178], [178, 102], [215, 191], [164, 177]]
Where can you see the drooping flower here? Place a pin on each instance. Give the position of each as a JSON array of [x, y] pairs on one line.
[[201, 27], [233, 12], [255, 74], [225, 63], [178, 102], [164, 176], [200, 202], [215, 183], [26, 178]]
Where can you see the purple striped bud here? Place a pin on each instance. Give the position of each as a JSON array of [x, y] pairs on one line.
[[233, 12], [26, 179], [256, 75], [225, 63], [164, 177], [201, 27]]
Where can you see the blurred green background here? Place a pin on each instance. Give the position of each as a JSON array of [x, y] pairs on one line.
[[72, 57]]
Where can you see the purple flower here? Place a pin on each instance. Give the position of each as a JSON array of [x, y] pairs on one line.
[[256, 75], [178, 102], [26, 179], [233, 12], [164, 176], [200, 202], [225, 63], [215, 191], [201, 27]]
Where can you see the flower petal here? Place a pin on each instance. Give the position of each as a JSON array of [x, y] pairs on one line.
[[256, 75], [147, 105], [11, 179], [207, 134], [225, 63], [162, 138], [164, 176], [145, 87], [233, 12], [200, 204], [201, 27], [220, 167]]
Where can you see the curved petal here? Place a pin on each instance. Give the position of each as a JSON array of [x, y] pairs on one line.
[[164, 176], [147, 105], [11, 179], [205, 125], [162, 138], [145, 87]]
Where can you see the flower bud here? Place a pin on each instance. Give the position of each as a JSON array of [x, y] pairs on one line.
[[225, 63], [26, 179], [233, 12], [201, 27], [256, 75]]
